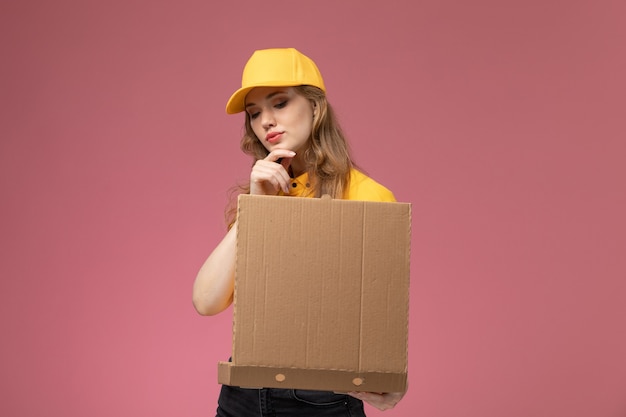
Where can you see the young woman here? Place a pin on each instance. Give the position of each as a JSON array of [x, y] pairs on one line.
[[299, 150]]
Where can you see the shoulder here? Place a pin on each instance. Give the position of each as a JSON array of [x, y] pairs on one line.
[[365, 188]]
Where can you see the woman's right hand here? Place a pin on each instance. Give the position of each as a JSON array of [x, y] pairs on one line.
[[269, 175]]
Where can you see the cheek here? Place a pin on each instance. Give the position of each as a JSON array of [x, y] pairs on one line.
[[306, 126], [304, 120], [259, 133], [257, 129]]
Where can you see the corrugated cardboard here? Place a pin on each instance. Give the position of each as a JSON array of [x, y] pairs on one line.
[[321, 295]]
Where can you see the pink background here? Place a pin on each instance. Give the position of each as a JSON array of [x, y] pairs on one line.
[[503, 122]]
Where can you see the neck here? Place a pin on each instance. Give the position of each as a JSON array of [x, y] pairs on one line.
[[297, 166], [295, 170]]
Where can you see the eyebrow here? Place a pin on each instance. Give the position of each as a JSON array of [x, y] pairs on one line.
[[269, 96]]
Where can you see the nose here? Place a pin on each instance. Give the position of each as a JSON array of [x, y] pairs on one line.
[[267, 120]]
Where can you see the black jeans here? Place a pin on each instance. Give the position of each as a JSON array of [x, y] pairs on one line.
[[274, 402]]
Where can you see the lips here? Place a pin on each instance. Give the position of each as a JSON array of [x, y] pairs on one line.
[[273, 137]]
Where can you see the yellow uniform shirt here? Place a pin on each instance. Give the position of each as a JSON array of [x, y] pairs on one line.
[[361, 188]]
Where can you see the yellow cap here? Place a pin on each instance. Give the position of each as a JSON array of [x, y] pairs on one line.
[[278, 67]]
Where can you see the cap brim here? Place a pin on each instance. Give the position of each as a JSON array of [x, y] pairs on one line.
[[237, 102]]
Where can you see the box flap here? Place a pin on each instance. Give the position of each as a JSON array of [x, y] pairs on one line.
[[322, 285]]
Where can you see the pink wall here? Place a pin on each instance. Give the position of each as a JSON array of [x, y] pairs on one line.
[[502, 122]]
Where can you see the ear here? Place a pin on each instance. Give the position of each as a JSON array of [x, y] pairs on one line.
[[314, 109]]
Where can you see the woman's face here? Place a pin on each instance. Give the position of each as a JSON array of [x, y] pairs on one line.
[[280, 117]]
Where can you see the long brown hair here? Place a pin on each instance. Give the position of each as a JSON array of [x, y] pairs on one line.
[[327, 156]]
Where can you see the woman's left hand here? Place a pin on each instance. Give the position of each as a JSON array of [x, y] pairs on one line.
[[383, 401]]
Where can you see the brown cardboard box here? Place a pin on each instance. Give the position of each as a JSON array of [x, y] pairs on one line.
[[321, 295]]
